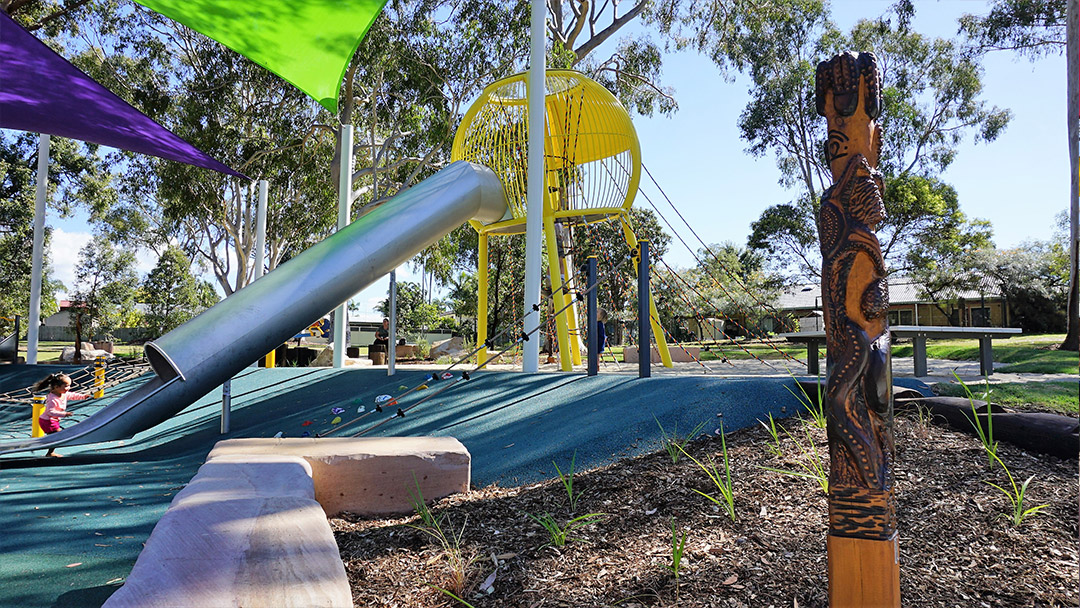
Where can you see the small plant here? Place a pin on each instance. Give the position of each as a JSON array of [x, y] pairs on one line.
[[922, 416], [1016, 496], [458, 560], [678, 546], [568, 482], [810, 464], [986, 434], [774, 447], [561, 534], [421, 508], [447, 593], [673, 443], [815, 407], [722, 482]]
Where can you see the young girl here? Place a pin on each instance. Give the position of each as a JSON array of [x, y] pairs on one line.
[[59, 386]]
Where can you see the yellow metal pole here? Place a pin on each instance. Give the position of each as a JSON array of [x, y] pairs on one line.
[[482, 298], [557, 293], [271, 357], [39, 407], [99, 377], [654, 317], [566, 263]]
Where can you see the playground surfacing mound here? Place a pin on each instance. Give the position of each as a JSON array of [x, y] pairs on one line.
[[73, 526], [957, 544]]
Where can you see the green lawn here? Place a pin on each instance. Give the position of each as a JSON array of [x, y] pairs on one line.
[[1058, 396], [50, 351], [1033, 354]]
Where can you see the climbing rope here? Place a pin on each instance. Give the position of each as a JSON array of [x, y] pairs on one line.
[[735, 276], [464, 376], [741, 347]]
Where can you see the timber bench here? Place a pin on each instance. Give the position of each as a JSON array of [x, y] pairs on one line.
[[251, 528], [918, 335]]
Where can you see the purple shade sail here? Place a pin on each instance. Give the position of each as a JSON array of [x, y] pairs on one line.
[[42, 92]]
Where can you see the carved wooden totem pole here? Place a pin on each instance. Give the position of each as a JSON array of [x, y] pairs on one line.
[[864, 568]]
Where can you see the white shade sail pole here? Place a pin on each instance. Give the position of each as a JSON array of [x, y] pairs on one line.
[[341, 317], [39, 249], [260, 229], [534, 218]]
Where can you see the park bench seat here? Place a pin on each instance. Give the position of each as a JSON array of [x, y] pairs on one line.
[[918, 335]]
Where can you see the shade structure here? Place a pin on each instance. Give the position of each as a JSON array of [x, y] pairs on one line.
[[42, 92], [308, 43]]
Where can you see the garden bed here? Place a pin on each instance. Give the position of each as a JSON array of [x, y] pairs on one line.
[[958, 546]]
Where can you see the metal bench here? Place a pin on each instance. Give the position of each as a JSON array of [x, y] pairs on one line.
[[918, 335]]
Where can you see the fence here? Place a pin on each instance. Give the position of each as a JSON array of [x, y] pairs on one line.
[[48, 333]]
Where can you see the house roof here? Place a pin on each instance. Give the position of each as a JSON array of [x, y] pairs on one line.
[[902, 290]]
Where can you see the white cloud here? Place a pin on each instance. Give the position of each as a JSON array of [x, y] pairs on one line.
[[64, 257]]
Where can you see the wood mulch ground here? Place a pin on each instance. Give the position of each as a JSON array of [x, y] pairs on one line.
[[958, 546]]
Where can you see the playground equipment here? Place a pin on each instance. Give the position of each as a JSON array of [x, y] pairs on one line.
[[9, 345], [592, 169], [200, 355]]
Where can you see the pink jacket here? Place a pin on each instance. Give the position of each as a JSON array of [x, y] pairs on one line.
[[56, 406]]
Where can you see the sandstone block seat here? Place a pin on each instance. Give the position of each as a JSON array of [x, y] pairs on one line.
[[371, 475], [251, 528], [244, 532]]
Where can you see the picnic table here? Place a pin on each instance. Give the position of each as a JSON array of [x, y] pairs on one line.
[[918, 335]]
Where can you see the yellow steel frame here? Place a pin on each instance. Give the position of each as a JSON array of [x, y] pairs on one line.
[[593, 167]]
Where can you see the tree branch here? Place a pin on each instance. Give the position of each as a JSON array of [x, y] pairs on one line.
[[603, 35]]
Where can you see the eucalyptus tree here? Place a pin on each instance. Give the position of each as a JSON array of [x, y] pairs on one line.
[[1037, 28], [73, 172], [172, 294], [931, 91], [105, 283], [78, 173]]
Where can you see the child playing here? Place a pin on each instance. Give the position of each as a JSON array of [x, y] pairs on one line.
[[59, 386]]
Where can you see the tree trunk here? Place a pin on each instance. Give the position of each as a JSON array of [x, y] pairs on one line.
[[863, 550], [78, 338], [1072, 50]]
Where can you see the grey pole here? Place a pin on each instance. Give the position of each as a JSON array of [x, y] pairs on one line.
[[226, 405], [260, 238], [534, 208], [391, 348], [260, 228], [38, 249], [644, 333], [593, 339], [341, 317]]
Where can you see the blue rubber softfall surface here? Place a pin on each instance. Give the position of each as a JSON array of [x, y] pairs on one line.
[[97, 505]]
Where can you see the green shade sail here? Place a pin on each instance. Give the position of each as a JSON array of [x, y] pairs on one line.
[[307, 42]]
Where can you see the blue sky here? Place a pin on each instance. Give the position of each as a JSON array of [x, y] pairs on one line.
[[1019, 182]]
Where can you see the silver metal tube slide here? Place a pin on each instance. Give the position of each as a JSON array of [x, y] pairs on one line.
[[198, 356]]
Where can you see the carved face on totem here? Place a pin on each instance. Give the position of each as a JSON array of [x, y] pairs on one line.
[[849, 96]]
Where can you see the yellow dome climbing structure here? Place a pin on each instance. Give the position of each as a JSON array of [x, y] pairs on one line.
[[592, 166]]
